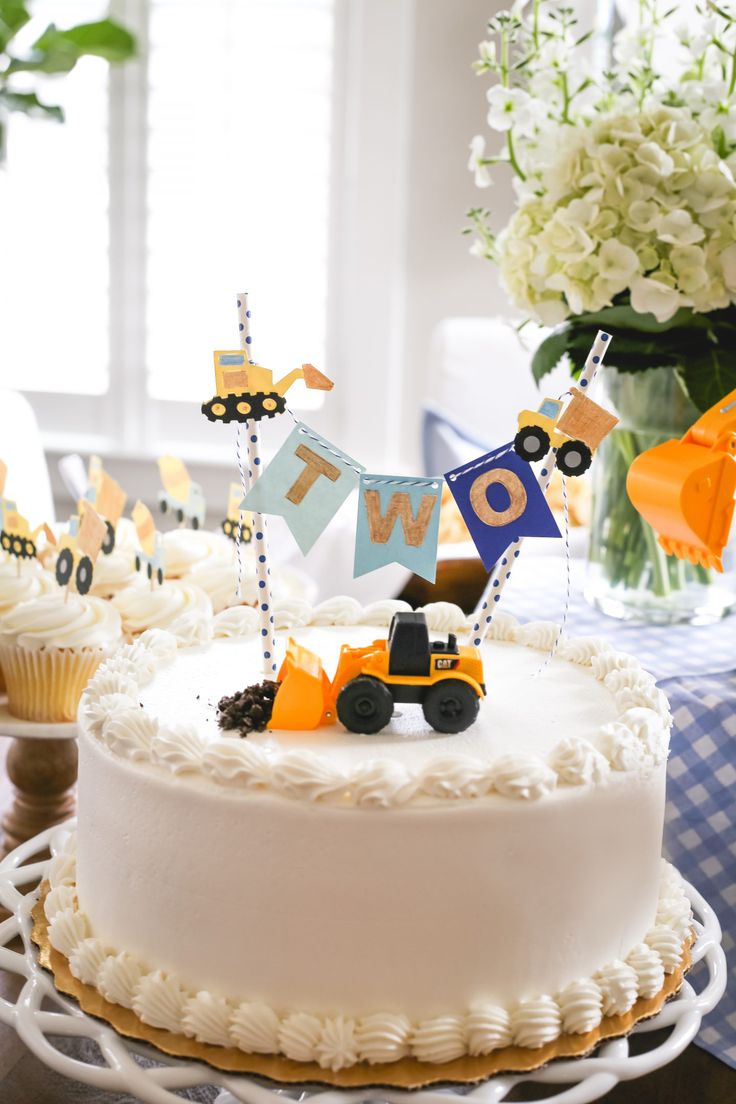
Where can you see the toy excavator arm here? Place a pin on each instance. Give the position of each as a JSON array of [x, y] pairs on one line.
[[313, 378], [717, 427]]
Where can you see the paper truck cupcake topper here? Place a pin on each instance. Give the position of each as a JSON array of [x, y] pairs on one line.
[[150, 557], [181, 496], [238, 523], [246, 392], [16, 536], [108, 499], [79, 548]]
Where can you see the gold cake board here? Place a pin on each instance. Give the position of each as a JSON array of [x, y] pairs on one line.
[[407, 1073]]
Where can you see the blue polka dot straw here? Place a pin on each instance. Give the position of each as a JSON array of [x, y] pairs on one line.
[[265, 608], [489, 600]]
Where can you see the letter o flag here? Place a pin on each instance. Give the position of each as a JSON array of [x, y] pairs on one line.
[[513, 486]]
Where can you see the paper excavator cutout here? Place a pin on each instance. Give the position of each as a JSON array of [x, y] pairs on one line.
[[16, 536], [685, 489], [247, 392]]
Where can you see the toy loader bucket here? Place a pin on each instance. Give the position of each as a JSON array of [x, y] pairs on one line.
[[686, 493], [304, 698], [316, 380]]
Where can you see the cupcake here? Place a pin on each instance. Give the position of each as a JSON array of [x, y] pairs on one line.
[[15, 588], [184, 549], [218, 578], [177, 606], [50, 647]]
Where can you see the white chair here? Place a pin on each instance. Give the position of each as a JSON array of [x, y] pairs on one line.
[[21, 449]]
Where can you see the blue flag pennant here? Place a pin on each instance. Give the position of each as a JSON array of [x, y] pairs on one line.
[[306, 483], [500, 500], [398, 522]]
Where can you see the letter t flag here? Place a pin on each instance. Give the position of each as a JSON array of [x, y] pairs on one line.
[[306, 483]]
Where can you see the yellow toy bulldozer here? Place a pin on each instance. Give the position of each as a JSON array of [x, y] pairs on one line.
[[247, 392], [445, 678], [575, 431]]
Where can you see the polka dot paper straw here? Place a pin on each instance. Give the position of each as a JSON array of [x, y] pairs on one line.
[[484, 611], [260, 533]]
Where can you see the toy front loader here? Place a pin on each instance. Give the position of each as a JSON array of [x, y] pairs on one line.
[[305, 698], [685, 489]]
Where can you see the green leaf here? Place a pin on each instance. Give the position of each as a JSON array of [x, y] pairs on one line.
[[106, 39], [709, 377], [550, 352], [29, 104], [13, 16]]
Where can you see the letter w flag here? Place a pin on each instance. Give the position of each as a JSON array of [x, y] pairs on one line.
[[306, 483], [398, 522]]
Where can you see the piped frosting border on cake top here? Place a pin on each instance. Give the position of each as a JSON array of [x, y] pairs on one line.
[[637, 741], [163, 1000]]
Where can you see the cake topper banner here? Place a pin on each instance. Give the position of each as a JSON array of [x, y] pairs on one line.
[[398, 522], [306, 483], [500, 500]]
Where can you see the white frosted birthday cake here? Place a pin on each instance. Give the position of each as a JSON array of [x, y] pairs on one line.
[[338, 898]]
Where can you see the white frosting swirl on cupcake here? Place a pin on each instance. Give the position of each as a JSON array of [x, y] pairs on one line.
[[172, 606], [15, 588], [56, 620], [185, 548]]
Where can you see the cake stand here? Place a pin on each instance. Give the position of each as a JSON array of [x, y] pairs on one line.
[[128, 1066], [42, 765]]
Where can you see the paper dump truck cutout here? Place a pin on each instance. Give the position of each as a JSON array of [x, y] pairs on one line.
[[180, 496], [685, 489], [445, 678], [151, 554], [79, 547], [237, 518], [16, 536], [247, 392], [575, 432], [108, 499]]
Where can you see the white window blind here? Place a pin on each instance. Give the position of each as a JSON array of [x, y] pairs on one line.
[[54, 227], [239, 110]]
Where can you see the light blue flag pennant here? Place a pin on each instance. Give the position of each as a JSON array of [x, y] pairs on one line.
[[398, 522], [306, 483]]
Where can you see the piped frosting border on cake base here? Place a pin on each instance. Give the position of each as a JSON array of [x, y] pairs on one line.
[[637, 741], [334, 1043]]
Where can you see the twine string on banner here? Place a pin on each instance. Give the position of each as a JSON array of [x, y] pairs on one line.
[[491, 596], [568, 585]]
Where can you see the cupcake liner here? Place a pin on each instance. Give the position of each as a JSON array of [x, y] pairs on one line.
[[46, 684]]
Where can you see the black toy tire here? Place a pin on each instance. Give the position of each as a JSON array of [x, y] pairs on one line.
[[180, 516], [164, 505], [109, 542], [29, 549], [17, 546], [450, 706], [531, 443], [64, 566], [83, 576], [160, 576], [246, 534], [195, 523], [5, 541], [149, 570], [137, 563], [365, 705], [227, 528], [574, 458]]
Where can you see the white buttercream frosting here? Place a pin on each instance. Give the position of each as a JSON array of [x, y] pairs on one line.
[[636, 741], [181, 608], [114, 572], [61, 620], [15, 587], [186, 548], [339, 1041]]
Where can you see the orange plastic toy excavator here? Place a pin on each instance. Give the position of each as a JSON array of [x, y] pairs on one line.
[[685, 489]]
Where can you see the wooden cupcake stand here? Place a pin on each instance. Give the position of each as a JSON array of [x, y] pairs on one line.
[[159, 1078], [41, 764]]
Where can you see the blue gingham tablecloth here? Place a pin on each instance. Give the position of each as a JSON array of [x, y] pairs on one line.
[[696, 668]]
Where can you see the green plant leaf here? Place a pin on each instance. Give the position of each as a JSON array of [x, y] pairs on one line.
[[550, 352], [106, 39], [29, 104], [709, 377], [13, 16]]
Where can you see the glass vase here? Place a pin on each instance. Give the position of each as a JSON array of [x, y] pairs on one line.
[[629, 575]]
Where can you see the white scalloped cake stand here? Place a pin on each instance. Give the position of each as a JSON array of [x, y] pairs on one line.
[[589, 1078]]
